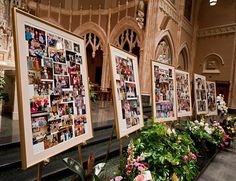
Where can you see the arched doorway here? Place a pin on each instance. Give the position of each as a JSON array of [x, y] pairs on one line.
[[94, 54]]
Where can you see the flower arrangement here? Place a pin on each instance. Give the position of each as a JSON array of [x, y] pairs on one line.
[[221, 105], [163, 149], [135, 168]]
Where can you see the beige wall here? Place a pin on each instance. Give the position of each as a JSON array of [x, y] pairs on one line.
[[217, 34], [201, 36]]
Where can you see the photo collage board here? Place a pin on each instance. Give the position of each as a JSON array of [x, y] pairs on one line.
[[184, 103], [54, 88], [211, 98], [126, 92], [164, 92], [200, 92]]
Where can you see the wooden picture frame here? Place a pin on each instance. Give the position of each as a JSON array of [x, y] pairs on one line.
[[200, 93], [164, 92], [53, 92], [183, 90], [126, 92], [211, 98]]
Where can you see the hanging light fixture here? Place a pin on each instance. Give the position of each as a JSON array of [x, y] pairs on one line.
[[213, 2]]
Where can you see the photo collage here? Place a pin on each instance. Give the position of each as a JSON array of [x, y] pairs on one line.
[[200, 94], [184, 106], [126, 87], [164, 92], [57, 99], [211, 98]]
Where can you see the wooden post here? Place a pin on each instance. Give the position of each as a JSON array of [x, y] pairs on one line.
[[80, 155], [39, 171], [121, 149], [109, 143]]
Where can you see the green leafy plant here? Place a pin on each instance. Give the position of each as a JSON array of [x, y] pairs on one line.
[[92, 93], [169, 153], [93, 173], [3, 94]]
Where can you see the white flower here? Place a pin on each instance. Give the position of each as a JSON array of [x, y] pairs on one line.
[[201, 123]]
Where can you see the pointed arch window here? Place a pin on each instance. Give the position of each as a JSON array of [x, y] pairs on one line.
[[129, 41], [163, 52]]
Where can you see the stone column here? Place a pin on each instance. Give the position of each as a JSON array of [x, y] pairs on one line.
[[148, 46]]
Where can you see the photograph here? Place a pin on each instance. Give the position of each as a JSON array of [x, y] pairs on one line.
[[76, 48], [55, 41], [60, 69], [34, 63], [200, 92], [65, 134], [65, 109], [164, 92], [211, 98], [50, 141], [127, 94], [124, 66], [43, 88], [70, 56], [46, 73], [56, 54], [68, 45], [80, 105], [39, 104], [55, 125], [61, 82], [184, 103], [78, 59], [34, 77], [54, 87]]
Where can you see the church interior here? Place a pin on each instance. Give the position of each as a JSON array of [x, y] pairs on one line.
[[194, 36]]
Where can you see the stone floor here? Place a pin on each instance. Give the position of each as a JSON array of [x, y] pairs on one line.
[[102, 113], [222, 167]]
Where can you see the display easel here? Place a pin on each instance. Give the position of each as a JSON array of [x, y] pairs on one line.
[[39, 171]]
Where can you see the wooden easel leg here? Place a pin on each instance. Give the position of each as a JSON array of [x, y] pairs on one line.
[[80, 155], [121, 150], [109, 143], [39, 171]]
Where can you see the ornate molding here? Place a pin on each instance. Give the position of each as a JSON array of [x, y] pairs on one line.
[[217, 30], [168, 9]]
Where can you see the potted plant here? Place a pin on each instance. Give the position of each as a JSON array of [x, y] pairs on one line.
[[3, 94]]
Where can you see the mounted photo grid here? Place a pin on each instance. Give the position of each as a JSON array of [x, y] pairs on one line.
[[200, 92], [211, 98], [52, 87], [184, 103], [164, 92], [126, 92]]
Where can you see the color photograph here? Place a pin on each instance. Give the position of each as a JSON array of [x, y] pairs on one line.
[[211, 98], [164, 92], [127, 96], [200, 91], [184, 103], [52, 87]]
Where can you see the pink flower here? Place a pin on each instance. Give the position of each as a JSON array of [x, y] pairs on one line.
[[185, 157], [118, 178], [139, 178], [193, 156]]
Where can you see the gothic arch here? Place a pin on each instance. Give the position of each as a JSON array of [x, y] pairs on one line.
[[212, 63], [124, 24], [166, 36], [184, 51], [91, 27]]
